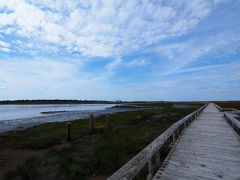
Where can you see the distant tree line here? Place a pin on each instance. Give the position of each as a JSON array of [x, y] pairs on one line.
[[58, 101]]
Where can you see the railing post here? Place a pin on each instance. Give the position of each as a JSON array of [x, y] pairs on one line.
[[178, 131], [91, 118], [150, 168], [68, 132], [174, 137], [108, 120], [157, 160]]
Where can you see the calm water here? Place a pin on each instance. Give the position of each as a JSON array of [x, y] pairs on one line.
[[8, 112], [19, 116]]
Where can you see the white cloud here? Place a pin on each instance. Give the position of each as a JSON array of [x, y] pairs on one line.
[[112, 65], [138, 62], [33, 72], [181, 54], [4, 49], [209, 67], [4, 44], [45, 78], [102, 28]]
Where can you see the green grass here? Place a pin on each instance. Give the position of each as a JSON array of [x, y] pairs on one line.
[[99, 152]]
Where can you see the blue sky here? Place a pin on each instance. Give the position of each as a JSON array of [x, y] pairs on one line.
[[117, 49]]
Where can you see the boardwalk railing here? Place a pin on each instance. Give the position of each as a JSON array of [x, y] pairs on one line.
[[151, 153], [219, 108], [231, 120], [227, 109]]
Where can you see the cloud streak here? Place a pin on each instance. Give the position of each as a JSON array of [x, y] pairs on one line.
[[100, 28]]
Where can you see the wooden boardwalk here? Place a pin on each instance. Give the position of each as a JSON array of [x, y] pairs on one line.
[[208, 149]]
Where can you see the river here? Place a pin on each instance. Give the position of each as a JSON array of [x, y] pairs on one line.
[[19, 116]]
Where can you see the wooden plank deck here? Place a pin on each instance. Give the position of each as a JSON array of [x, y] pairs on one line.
[[208, 149]]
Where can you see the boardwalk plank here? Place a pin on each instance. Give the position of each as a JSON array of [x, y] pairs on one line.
[[207, 149]]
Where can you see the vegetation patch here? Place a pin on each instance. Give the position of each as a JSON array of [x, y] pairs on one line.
[[91, 153], [229, 104]]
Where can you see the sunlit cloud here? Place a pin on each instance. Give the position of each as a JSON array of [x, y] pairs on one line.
[[115, 49]]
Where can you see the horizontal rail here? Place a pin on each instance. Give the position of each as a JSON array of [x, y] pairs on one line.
[[233, 122], [136, 164], [226, 109], [219, 108]]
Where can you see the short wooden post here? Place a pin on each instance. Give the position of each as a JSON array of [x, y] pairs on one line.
[[174, 137], [108, 120], [150, 168], [185, 125], [178, 131], [68, 132], [157, 160], [91, 118]]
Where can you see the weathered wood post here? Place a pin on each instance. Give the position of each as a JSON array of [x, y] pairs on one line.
[[178, 131], [157, 160], [68, 132], [150, 168], [189, 120], [108, 120], [91, 119], [174, 137]]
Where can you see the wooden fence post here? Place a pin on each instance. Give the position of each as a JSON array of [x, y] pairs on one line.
[[178, 131], [150, 168], [157, 160], [68, 132], [108, 120], [174, 137], [91, 118]]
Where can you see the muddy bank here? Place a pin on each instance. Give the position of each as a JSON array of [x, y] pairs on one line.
[[19, 124]]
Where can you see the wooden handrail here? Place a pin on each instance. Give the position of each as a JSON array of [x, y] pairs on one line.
[[226, 109], [219, 108], [151, 152], [233, 122]]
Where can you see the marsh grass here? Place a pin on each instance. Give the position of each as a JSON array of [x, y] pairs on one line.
[[229, 104], [98, 152]]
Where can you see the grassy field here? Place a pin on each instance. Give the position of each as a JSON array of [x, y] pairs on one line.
[[43, 153], [229, 104]]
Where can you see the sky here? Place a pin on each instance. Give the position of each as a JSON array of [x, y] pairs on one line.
[[170, 50]]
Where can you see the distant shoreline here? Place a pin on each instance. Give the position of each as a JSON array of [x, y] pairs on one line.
[[56, 101]]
